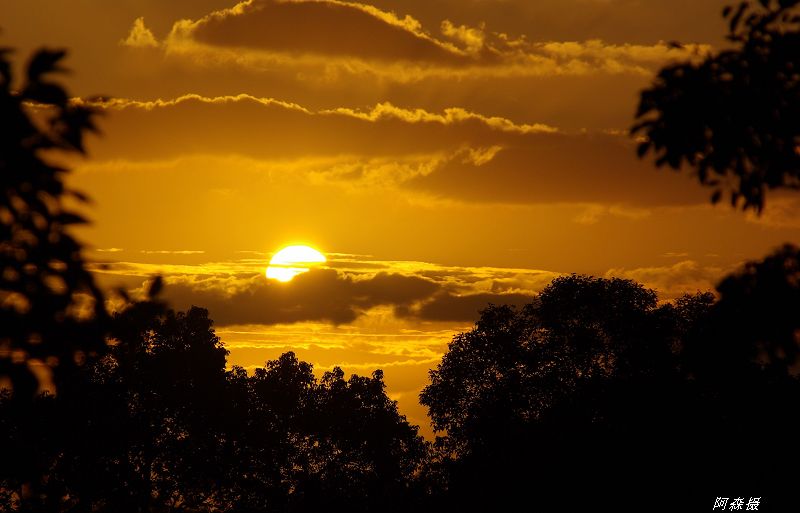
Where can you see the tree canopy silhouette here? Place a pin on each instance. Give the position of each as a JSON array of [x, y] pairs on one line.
[[159, 424], [733, 116], [50, 308], [595, 370]]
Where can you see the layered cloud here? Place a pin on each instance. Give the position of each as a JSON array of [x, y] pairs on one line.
[[356, 38], [514, 58], [237, 293], [320, 295], [453, 154]]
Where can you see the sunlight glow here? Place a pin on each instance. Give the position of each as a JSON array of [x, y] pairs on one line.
[[293, 260]]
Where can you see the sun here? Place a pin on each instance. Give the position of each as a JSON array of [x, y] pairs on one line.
[[293, 260]]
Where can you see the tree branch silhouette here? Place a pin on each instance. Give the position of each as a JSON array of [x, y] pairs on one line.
[[51, 311], [732, 117]]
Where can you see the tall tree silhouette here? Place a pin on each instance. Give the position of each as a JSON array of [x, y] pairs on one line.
[[733, 116], [50, 308]]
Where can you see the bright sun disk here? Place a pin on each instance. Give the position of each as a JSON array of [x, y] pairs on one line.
[[293, 260]]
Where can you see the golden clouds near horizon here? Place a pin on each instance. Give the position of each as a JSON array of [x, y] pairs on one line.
[[293, 260]]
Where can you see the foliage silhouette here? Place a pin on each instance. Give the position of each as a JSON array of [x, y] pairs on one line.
[[733, 116], [51, 311], [595, 371], [158, 424]]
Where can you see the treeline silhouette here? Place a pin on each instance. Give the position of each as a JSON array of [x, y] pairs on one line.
[[159, 424], [595, 395]]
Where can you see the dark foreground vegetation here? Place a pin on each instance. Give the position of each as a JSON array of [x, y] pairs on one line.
[[594, 396]]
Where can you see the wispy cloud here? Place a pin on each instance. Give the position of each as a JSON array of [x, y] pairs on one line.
[[671, 281], [171, 252], [140, 36]]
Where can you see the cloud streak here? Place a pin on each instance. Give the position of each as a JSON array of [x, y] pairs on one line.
[[454, 154]]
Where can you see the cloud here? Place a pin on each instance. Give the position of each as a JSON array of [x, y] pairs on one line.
[[447, 306], [383, 111], [562, 168], [472, 38], [321, 27], [614, 20], [237, 293], [339, 38], [687, 276], [592, 214], [148, 105], [450, 116], [454, 154], [140, 36], [318, 295], [172, 252], [780, 212]]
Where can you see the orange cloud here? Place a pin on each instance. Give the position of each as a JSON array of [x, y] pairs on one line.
[[687, 276], [450, 116], [140, 36], [322, 27], [448, 306], [453, 155], [318, 295], [381, 111], [456, 154], [561, 168], [236, 292], [337, 37]]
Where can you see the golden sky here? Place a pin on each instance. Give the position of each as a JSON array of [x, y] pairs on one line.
[[442, 154]]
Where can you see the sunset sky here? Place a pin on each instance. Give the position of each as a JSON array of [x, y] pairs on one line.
[[442, 154]]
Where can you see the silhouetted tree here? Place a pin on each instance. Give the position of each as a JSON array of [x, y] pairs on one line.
[[138, 430], [733, 116], [158, 424], [596, 388], [50, 308], [330, 443], [172, 372], [517, 364], [505, 392]]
